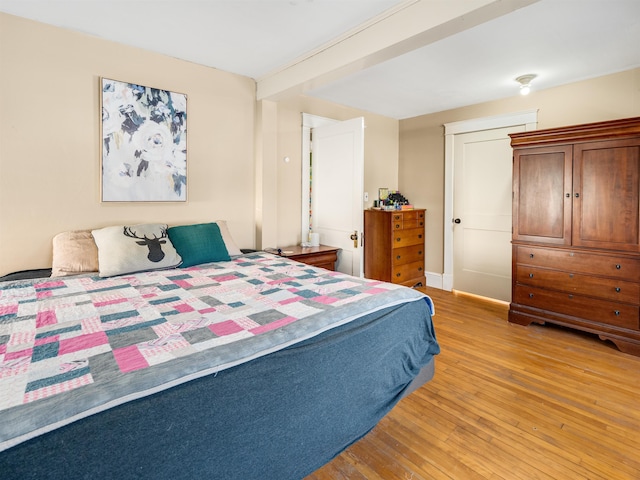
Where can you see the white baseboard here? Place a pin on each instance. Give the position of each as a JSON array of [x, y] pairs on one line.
[[437, 280]]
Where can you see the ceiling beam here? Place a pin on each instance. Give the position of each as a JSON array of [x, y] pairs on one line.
[[411, 25]]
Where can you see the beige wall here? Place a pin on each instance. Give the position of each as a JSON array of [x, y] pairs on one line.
[[50, 145], [421, 162]]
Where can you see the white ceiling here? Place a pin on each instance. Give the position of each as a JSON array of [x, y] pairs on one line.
[[562, 41]]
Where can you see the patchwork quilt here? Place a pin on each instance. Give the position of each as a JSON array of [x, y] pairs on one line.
[[74, 346]]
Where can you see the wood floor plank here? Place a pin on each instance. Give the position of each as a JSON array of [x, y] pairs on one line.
[[507, 402]]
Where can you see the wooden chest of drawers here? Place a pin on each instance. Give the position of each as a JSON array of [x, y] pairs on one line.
[[394, 246]]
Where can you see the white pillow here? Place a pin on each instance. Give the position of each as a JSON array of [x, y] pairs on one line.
[[134, 248], [232, 248]]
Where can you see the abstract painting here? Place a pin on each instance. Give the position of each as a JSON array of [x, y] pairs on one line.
[[144, 143]]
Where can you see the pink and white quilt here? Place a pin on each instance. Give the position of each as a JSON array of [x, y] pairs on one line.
[[74, 346]]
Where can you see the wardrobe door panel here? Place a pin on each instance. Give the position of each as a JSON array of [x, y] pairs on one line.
[[606, 185], [541, 207]]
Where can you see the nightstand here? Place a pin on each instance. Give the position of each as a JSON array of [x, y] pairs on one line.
[[322, 256]]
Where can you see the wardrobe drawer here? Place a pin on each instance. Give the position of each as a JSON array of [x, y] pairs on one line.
[[599, 311], [605, 288], [580, 262], [402, 273], [401, 256], [407, 237]]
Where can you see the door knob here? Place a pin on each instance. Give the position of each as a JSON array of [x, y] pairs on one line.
[[456, 220], [354, 237]]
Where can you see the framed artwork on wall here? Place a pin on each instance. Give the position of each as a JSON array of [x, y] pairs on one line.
[[144, 143]]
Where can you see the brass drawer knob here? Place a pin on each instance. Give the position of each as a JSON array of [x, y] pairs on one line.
[[398, 239]]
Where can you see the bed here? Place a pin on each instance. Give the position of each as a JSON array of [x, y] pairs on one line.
[[253, 367]]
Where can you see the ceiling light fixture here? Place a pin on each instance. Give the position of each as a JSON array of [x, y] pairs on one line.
[[525, 83]]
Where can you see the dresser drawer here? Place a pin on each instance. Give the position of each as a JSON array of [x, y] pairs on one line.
[[405, 255], [605, 288], [407, 219], [599, 311], [413, 219], [580, 262], [402, 273], [407, 237]]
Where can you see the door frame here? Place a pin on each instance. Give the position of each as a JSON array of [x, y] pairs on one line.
[[308, 123], [527, 118]]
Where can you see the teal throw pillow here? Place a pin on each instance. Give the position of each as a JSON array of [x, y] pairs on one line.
[[196, 244]]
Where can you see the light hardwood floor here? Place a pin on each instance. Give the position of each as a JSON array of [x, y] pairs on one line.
[[507, 402]]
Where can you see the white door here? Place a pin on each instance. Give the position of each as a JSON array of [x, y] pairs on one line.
[[482, 212], [337, 190]]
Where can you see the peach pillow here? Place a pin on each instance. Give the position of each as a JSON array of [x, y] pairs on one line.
[[74, 252]]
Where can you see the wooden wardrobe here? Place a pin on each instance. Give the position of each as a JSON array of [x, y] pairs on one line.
[[576, 229]]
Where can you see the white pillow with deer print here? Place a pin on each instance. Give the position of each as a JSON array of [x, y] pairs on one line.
[[134, 248]]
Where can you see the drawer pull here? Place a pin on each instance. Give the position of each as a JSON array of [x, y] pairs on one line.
[[421, 224], [570, 296], [419, 236], [397, 257], [397, 274], [419, 269], [616, 312], [420, 252], [398, 239], [568, 195], [531, 295], [618, 289], [531, 255], [571, 275], [618, 266], [531, 275]]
